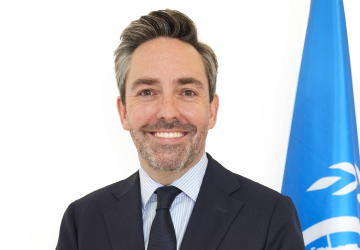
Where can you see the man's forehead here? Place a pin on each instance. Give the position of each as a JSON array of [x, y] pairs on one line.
[[166, 58]]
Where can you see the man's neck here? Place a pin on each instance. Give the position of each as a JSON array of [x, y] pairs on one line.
[[167, 177]]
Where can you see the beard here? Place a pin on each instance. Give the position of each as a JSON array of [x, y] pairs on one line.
[[169, 157]]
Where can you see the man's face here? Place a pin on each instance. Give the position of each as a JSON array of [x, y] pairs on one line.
[[168, 111]]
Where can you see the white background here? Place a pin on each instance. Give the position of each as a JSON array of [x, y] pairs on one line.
[[60, 135]]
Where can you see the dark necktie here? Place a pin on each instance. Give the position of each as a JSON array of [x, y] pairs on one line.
[[162, 233]]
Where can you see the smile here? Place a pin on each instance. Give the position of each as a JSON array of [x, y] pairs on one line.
[[169, 135]]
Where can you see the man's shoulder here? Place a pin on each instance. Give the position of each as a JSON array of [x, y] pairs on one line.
[[255, 188], [258, 200], [105, 196], [258, 195], [247, 190]]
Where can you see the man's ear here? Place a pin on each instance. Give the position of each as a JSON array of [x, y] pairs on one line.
[[214, 107], [122, 113]]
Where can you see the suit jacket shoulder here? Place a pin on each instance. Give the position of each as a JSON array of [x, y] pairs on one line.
[[103, 197], [257, 217], [97, 219]]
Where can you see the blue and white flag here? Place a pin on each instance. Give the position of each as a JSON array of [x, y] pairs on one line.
[[322, 166]]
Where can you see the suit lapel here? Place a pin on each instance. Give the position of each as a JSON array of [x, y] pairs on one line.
[[124, 218], [214, 209]]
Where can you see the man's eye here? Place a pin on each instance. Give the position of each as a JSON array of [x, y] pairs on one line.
[[188, 93], [146, 92]]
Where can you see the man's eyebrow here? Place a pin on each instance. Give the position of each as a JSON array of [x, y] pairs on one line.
[[144, 81], [188, 80]]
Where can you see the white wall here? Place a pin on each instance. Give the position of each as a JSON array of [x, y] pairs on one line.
[[60, 135]]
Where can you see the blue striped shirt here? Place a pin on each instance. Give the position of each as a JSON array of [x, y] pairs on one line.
[[183, 204]]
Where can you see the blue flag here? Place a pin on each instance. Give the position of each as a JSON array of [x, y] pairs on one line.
[[322, 164]]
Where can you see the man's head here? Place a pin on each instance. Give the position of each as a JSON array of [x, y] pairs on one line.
[[167, 83], [162, 23]]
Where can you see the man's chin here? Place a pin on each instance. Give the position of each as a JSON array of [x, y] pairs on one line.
[[168, 162]]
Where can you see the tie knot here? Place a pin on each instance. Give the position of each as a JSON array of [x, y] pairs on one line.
[[166, 196]]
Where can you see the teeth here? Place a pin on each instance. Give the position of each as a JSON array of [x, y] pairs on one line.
[[169, 135]]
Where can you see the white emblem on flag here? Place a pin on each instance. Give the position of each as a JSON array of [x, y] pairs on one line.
[[328, 181], [336, 224]]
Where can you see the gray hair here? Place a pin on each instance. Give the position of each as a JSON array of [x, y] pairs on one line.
[[162, 23]]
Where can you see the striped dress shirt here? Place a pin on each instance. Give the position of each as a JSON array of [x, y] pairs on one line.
[[181, 207]]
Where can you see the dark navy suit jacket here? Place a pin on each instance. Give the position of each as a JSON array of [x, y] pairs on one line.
[[231, 212]]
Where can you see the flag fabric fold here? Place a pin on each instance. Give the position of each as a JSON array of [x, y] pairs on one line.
[[322, 165]]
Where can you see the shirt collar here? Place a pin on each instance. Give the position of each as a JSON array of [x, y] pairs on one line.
[[189, 183]]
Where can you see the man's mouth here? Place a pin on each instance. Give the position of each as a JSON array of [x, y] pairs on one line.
[[169, 135]]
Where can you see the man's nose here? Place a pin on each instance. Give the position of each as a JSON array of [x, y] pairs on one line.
[[168, 109]]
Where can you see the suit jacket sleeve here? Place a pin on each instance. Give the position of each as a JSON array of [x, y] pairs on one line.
[[68, 231], [284, 230]]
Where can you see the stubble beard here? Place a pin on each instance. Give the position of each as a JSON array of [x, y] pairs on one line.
[[169, 157]]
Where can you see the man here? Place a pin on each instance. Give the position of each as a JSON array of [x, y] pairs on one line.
[[180, 198]]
